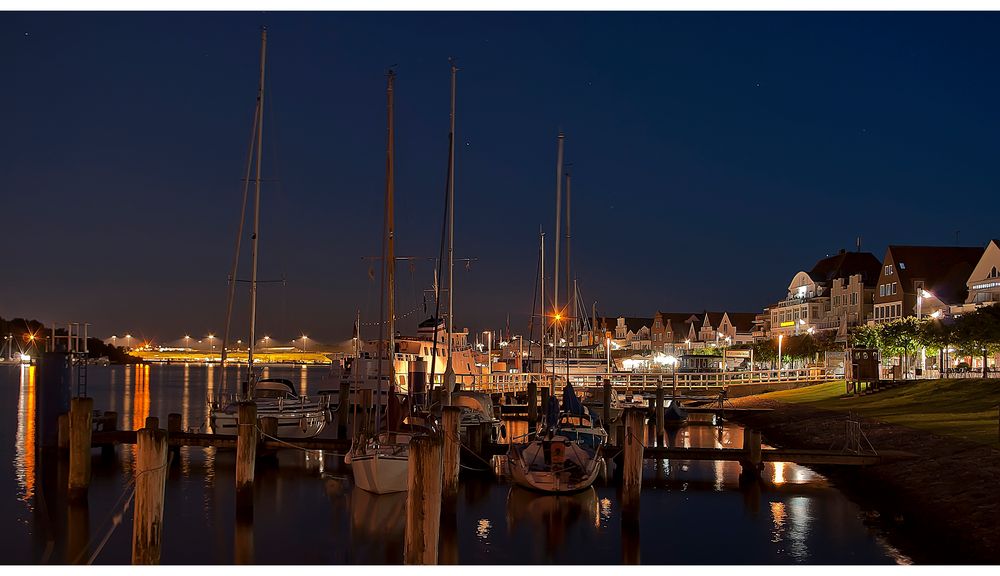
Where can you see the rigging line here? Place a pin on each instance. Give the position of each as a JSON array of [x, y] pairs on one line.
[[534, 302], [437, 279]]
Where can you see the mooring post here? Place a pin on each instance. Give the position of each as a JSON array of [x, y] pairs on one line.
[[80, 427], [343, 408], [632, 466], [423, 501], [544, 407], [268, 427], [475, 439], [152, 422], [63, 441], [150, 482], [451, 417], [532, 405], [110, 425], [660, 422], [607, 405], [753, 462], [246, 454], [175, 423]]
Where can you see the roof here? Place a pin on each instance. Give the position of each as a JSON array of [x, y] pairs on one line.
[[743, 321], [631, 323], [847, 264], [943, 269]]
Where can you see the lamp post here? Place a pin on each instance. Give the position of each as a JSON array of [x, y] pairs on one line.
[[304, 338], [128, 341], [211, 341], [187, 340], [608, 346], [780, 338], [923, 351]]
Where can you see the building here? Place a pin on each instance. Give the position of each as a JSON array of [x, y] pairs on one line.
[[983, 284], [674, 333], [938, 275], [627, 332], [830, 297]]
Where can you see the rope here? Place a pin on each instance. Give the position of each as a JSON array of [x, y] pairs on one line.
[[280, 441], [116, 516]]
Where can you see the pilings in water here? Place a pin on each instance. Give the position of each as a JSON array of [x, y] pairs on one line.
[[658, 409], [343, 408], [423, 505], [450, 421], [150, 484], [532, 405], [607, 406], [246, 453], [633, 456], [110, 424], [754, 461], [545, 402], [80, 427], [175, 424]]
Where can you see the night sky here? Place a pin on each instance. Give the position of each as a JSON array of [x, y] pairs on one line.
[[713, 156]]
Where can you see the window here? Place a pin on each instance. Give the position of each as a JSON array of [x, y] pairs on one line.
[[993, 272], [854, 298], [881, 289], [888, 270], [893, 287]]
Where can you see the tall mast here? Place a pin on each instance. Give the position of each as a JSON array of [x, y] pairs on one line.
[[541, 271], [390, 231], [256, 209], [388, 260], [555, 277], [570, 292], [236, 255], [449, 373]]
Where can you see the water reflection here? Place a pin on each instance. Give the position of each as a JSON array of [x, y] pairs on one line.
[[24, 460], [309, 504]]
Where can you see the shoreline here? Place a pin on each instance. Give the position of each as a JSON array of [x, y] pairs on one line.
[[946, 499]]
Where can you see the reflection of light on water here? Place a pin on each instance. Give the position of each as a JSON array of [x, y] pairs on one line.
[[605, 509], [483, 529], [303, 378], [779, 473], [778, 515], [799, 518], [720, 468], [24, 460]]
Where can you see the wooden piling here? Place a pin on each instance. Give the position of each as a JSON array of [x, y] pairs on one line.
[[423, 501], [80, 427], [632, 467], [150, 482], [660, 422], [475, 434], [343, 408], [753, 462], [152, 422], [246, 454], [268, 428], [175, 423], [63, 438], [450, 419], [544, 408], [607, 406], [532, 405], [110, 425]]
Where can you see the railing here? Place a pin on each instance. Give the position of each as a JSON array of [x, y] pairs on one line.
[[642, 381]]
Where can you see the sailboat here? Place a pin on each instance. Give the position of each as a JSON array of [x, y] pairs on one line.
[[380, 460], [297, 416], [566, 455]]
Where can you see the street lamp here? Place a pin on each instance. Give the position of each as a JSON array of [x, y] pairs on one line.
[[921, 295], [304, 338], [187, 340], [211, 340], [609, 354], [128, 339], [780, 338]]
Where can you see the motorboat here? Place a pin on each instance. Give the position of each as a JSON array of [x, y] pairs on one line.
[[298, 416]]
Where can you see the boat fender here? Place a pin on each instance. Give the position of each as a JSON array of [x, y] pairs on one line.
[[328, 415], [347, 459], [303, 424], [503, 431]]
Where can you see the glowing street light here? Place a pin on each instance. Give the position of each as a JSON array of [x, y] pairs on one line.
[[128, 338], [304, 338], [780, 338], [921, 295]]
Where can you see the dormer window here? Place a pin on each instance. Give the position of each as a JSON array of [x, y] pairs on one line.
[[993, 272]]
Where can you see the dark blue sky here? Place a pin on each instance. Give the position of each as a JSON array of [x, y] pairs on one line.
[[713, 155]]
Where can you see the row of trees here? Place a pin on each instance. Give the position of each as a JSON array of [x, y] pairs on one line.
[[973, 334], [30, 337]]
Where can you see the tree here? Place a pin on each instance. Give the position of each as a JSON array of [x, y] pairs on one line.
[[978, 333]]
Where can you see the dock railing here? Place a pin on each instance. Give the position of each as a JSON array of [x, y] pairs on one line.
[[516, 382]]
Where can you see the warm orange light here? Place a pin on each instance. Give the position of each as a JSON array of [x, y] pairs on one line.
[[558, 316]]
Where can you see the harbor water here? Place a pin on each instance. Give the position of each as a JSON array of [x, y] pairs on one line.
[[307, 510]]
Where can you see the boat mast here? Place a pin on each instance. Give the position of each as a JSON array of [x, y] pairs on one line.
[[449, 373], [389, 260], [555, 277], [236, 255], [570, 293], [541, 271], [256, 210]]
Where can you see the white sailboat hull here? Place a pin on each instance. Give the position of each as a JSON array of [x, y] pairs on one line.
[[531, 468], [380, 473]]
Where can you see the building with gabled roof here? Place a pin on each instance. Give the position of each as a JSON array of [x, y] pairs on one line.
[[938, 275]]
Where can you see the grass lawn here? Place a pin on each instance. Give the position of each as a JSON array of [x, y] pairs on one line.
[[965, 408]]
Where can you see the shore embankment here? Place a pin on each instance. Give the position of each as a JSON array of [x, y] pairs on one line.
[[946, 497]]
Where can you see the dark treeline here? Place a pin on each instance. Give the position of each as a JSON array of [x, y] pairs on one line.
[[31, 337]]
